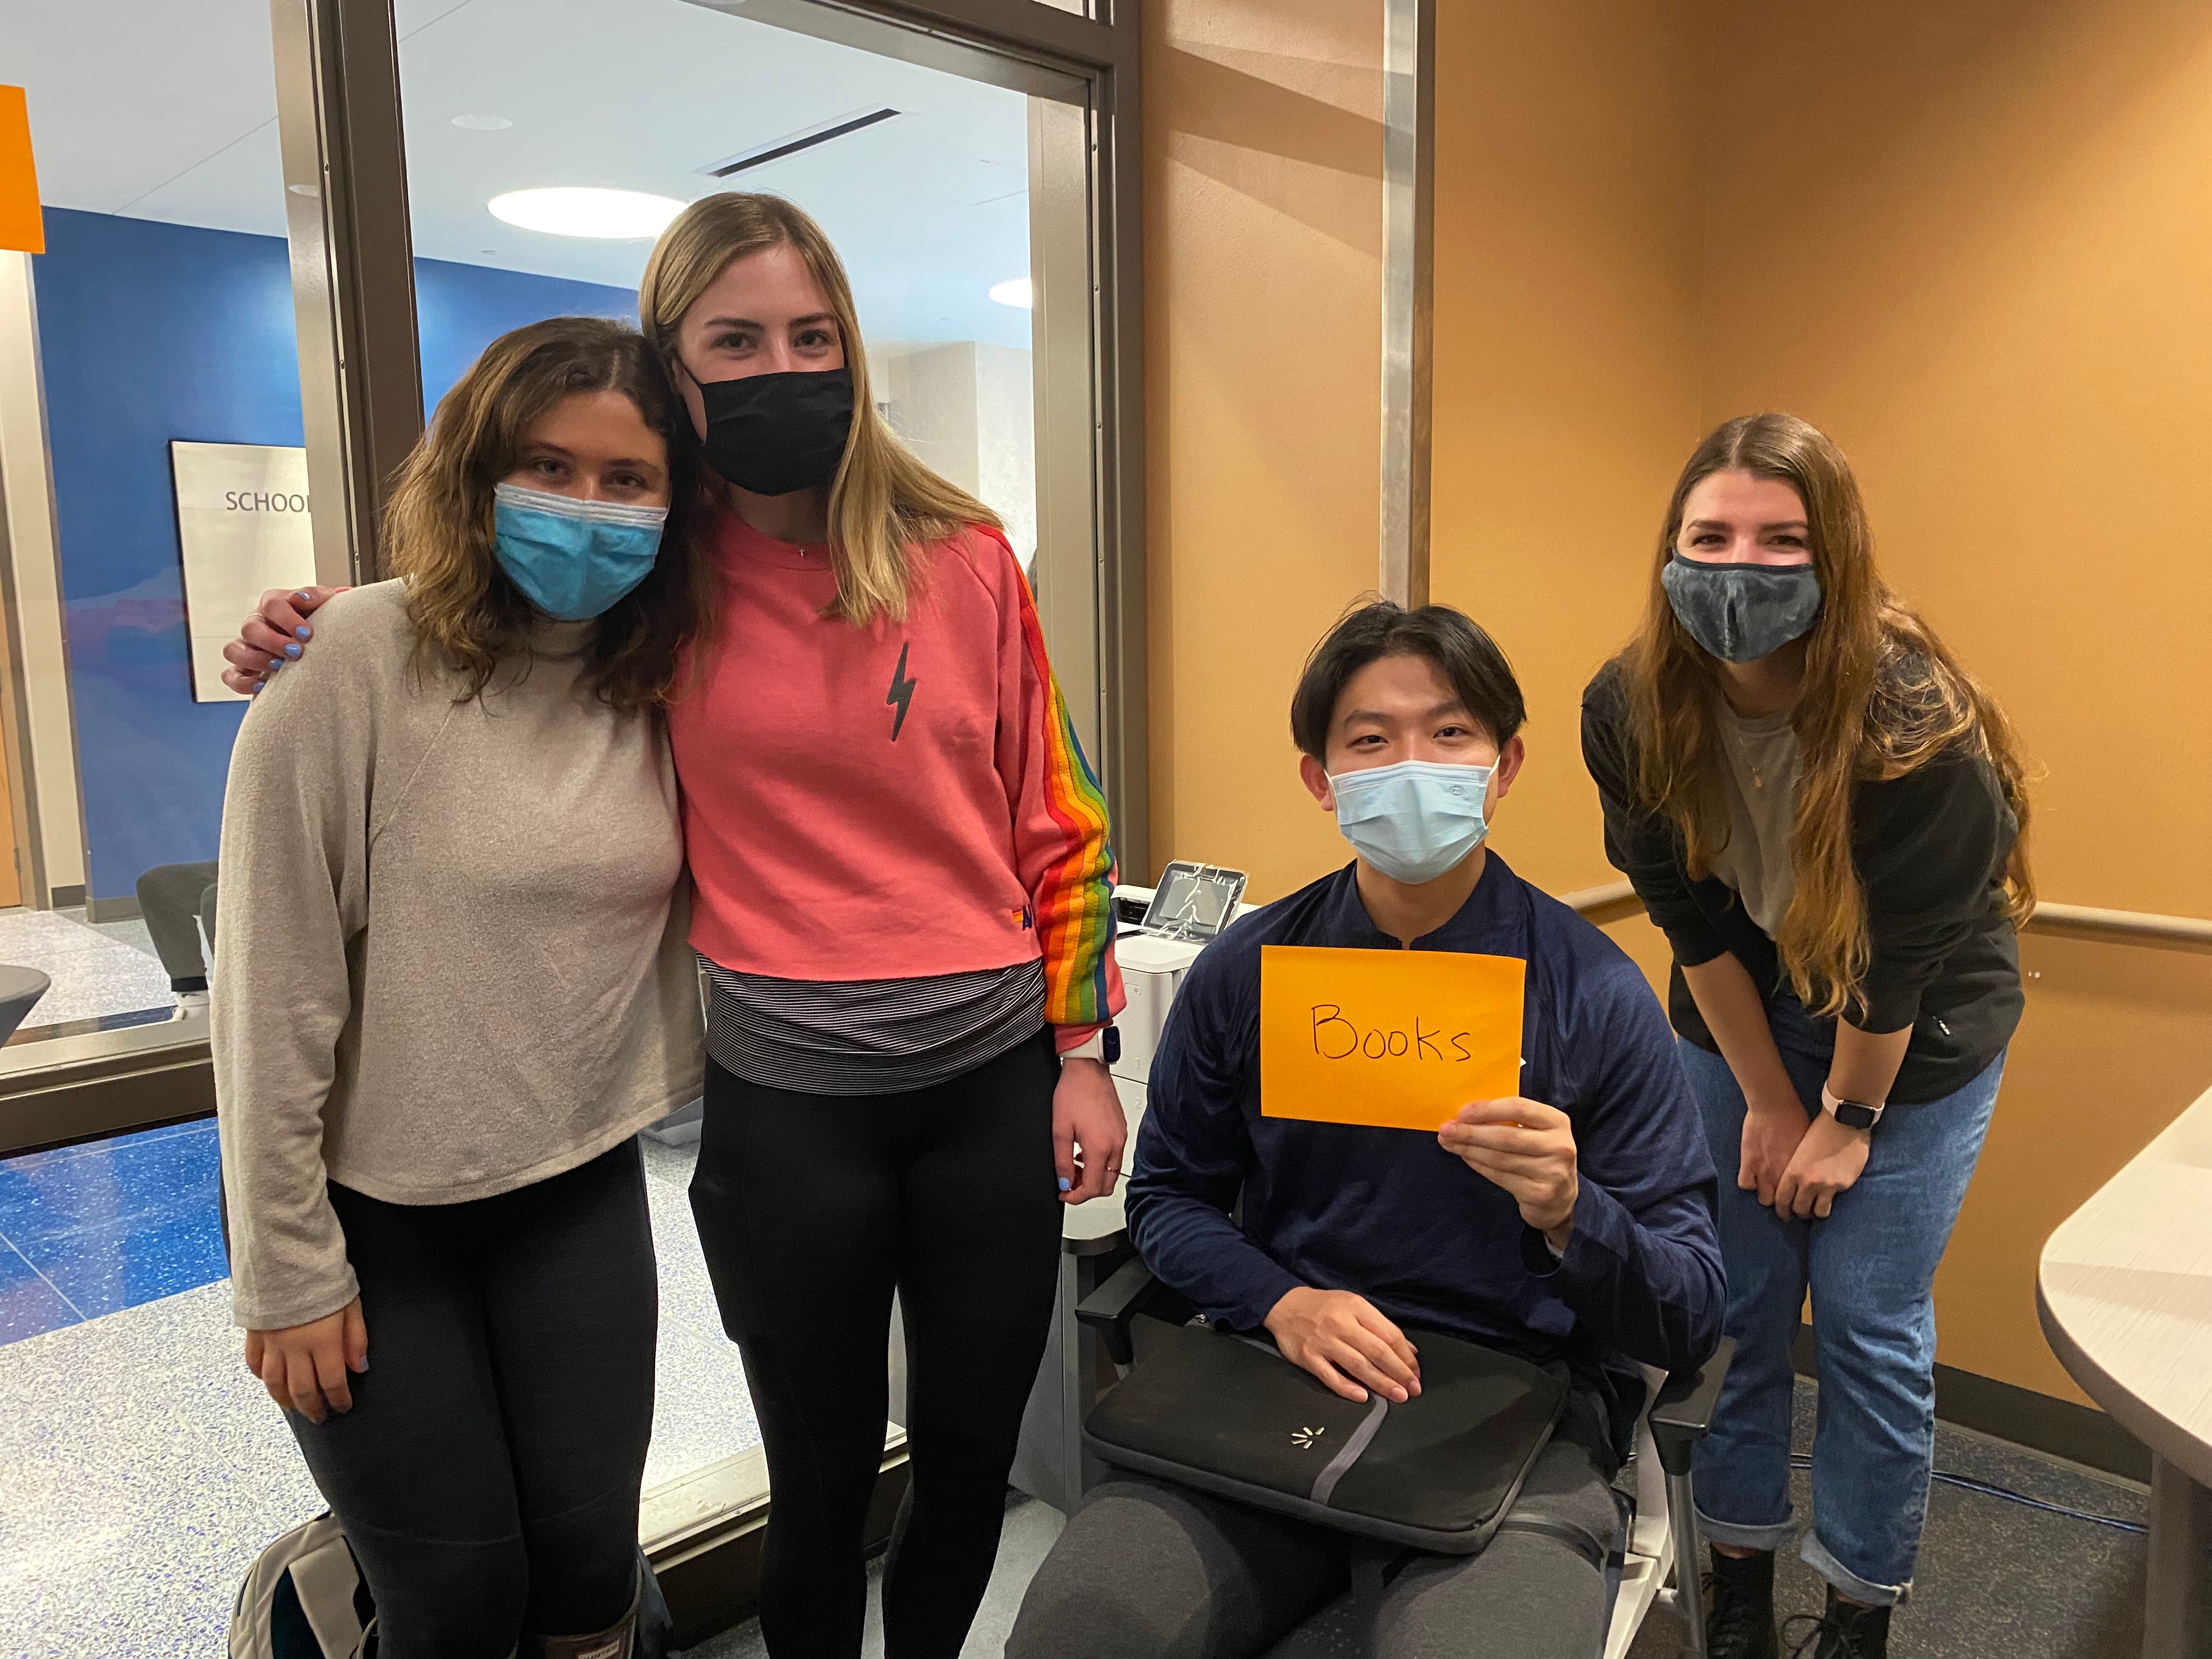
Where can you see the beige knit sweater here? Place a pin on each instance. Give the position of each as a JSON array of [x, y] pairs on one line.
[[450, 956]]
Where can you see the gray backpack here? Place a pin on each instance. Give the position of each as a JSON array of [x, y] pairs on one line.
[[305, 1598]]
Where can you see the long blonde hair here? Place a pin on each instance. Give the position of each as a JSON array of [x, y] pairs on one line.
[[1881, 698], [437, 531], [883, 503]]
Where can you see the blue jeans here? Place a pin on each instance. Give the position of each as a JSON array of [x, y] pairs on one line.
[[1871, 1268]]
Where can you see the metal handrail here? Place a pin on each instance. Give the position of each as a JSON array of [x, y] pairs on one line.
[[2124, 924]]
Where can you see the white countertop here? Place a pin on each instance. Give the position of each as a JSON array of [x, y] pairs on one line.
[[2125, 1292]]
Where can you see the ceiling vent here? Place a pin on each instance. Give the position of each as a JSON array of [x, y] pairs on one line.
[[794, 143]]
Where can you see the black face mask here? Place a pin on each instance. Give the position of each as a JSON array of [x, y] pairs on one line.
[[1741, 613], [775, 433]]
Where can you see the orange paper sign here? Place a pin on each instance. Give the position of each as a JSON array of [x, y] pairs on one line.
[[1399, 1039], [20, 225]]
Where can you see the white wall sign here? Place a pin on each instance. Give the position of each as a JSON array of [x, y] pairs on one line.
[[242, 520]]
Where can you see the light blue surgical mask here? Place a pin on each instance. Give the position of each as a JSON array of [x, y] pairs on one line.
[[1416, 820], [573, 559]]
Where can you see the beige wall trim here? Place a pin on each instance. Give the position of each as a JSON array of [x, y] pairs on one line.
[[1409, 75], [37, 717], [2073, 918], [1611, 895]]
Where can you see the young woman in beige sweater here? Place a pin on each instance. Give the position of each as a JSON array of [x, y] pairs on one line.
[[452, 983]]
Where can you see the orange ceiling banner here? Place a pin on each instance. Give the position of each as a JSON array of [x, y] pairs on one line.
[[21, 227]]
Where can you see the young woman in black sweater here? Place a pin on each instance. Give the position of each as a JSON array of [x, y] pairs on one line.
[[1825, 813]]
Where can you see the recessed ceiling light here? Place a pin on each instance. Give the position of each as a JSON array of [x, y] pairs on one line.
[[584, 211], [481, 122], [1016, 293]]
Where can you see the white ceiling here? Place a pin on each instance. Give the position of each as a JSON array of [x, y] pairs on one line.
[[167, 109]]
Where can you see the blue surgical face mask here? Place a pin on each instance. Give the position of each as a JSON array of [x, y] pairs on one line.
[[573, 559], [1416, 820]]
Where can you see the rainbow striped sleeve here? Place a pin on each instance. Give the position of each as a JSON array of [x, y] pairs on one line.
[[1061, 841]]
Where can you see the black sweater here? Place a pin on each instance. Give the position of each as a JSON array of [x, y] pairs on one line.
[[1931, 848]]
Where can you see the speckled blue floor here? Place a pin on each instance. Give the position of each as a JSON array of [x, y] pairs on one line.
[[106, 972], [91, 1230], [141, 1467]]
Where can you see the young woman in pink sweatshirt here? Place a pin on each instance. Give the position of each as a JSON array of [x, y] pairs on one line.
[[904, 913]]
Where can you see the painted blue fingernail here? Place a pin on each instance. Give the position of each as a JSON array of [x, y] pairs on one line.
[[304, 633], [1065, 1184], [300, 594], [291, 650], [258, 684]]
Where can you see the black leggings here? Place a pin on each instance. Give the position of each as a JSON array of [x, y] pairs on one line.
[[487, 1476], [810, 1209]]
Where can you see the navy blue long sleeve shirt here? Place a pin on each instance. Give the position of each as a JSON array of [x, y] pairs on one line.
[[1389, 1213]]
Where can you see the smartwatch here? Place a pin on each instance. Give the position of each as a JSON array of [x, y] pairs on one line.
[[1105, 1045], [1852, 1114]]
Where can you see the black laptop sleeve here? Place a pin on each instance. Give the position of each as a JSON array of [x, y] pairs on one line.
[[1229, 1415]]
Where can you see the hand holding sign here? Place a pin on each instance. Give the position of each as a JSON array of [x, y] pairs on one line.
[[1528, 1149]]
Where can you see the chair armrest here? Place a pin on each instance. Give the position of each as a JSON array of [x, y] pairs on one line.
[[1130, 1290], [1683, 1410]]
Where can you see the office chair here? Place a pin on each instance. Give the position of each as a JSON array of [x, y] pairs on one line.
[[1661, 1565]]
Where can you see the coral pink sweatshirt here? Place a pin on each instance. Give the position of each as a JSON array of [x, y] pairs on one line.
[[893, 801]]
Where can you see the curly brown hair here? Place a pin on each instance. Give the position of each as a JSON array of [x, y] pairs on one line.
[[437, 529]]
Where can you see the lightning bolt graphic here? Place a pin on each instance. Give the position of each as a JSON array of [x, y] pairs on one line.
[[902, 691]]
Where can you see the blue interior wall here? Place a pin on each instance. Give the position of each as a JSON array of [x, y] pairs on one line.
[[151, 332]]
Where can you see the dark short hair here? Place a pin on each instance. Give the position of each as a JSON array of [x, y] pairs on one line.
[[1466, 656]]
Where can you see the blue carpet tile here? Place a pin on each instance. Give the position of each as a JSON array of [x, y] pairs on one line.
[[87, 1231], [28, 1304]]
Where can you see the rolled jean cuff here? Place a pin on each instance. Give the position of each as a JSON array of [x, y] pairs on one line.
[[1748, 1538], [1848, 1583]]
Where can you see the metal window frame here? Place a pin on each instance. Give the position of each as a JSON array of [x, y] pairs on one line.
[[338, 113], [337, 75], [338, 116]]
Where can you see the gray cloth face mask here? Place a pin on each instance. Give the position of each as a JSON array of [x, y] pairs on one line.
[[1741, 612]]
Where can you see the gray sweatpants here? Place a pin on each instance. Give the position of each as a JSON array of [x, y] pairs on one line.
[[1150, 1571], [177, 900]]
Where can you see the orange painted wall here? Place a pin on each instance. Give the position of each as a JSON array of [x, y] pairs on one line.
[[1263, 261], [1967, 240], [1568, 252]]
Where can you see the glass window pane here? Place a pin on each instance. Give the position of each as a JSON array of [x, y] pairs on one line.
[[153, 472], [925, 182], [150, 449]]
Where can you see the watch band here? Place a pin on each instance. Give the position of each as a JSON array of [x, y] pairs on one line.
[[1852, 1114], [1103, 1045]]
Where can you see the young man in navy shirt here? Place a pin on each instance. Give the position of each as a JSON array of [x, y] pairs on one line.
[[1572, 1225]]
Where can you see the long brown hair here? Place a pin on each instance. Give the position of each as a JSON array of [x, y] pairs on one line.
[[437, 531], [883, 502], [1881, 698]]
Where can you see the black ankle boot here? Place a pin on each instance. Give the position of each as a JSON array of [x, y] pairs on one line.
[[1845, 1631], [1740, 1624]]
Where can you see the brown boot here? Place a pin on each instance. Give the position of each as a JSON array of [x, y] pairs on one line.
[[618, 1641]]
